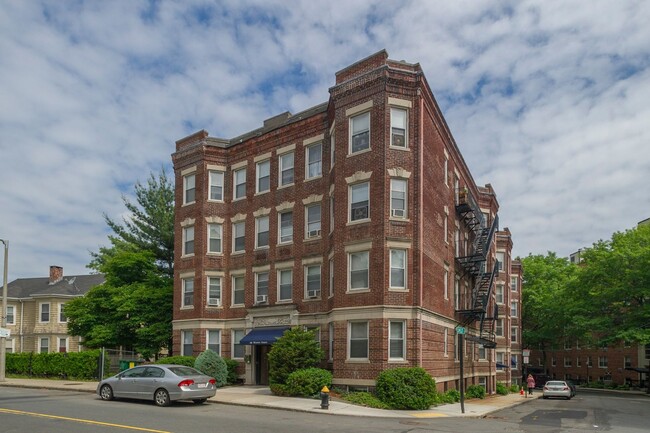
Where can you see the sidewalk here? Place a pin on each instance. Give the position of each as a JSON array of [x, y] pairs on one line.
[[261, 396]]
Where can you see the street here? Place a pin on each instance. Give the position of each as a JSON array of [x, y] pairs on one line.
[[39, 410]]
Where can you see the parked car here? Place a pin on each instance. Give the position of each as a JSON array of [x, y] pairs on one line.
[[572, 385], [557, 388], [161, 383]]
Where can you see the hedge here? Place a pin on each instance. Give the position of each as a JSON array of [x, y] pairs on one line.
[[74, 365]]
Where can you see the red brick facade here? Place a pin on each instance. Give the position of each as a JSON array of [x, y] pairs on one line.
[[387, 250]]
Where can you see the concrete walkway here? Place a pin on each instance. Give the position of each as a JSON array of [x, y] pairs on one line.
[[259, 396]]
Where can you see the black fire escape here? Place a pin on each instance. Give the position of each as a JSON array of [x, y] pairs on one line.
[[473, 259]]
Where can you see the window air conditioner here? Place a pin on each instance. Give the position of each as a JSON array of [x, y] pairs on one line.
[[313, 234], [398, 213], [311, 294], [261, 299]]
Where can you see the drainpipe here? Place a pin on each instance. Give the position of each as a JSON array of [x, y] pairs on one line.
[[22, 336], [420, 220]]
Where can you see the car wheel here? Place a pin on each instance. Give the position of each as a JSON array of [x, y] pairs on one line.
[[106, 392], [161, 397], [545, 397], [200, 400]]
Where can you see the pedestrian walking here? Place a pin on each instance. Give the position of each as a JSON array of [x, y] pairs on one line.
[[530, 381]]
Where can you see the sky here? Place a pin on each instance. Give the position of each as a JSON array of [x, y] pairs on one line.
[[548, 101]]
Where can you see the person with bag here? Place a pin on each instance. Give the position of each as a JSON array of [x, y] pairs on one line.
[[530, 381]]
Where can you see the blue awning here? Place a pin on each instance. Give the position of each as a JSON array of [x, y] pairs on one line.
[[500, 365], [259, 336]]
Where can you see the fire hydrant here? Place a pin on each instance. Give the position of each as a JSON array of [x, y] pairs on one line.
[[325, 398], [521, 392]]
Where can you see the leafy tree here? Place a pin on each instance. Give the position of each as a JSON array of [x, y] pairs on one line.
[[295, 350]]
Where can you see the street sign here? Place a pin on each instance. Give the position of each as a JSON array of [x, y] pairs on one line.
[[526, 360], [4, 333], [460, 330], [526, 352]]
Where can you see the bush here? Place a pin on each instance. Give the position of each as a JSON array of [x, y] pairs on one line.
[[406, 388], [188, 361], [365, 399], [279, 389], [514, 388], [449, 397], [74, 365], [308, 382], [210, 363], [295, 350], [502, 389], [233, 376], [475, 391]]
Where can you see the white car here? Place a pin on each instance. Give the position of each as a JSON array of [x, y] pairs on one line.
[[557, 388]]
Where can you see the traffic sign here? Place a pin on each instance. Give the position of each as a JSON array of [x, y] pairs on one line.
[[4, 333]]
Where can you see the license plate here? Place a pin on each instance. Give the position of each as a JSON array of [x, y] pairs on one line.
[[202, 385]]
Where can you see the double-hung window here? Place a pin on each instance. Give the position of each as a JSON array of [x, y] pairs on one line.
[[214, 238], [188, 342], [360, 201], [313, 220], [216, 185], [499, 293], [501, 257], [238, 290], [263, 176], [45, 312], [398, 198], [358, 340], [513, 334], [513, 284], [314, 161], [261, 287], [285, 283], [499, 328], [188, 240], [189, 189], [11, 318], [238, 349], [286, 227], [44, 345], [188, 292], [398, 269], [360, 132], [214, 291], [239, 236], [513, 309], [398, 128], [62, 317], [262, 228], [312, 280], [239, 181], [396, 340], [359, 270], [213, 338], [286, 169], [63, 345]]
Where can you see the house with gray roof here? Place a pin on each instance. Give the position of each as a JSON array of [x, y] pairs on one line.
[[36, 311]]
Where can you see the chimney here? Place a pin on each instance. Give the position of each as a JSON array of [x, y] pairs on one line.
[[56, 274]]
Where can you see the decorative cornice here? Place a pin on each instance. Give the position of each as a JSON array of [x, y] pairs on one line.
[[358, 177], [399, 172]]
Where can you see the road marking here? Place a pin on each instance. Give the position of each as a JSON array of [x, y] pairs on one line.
[[428, 415], [85, 421]]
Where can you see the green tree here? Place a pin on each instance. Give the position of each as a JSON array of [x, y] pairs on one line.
[[295, 350]]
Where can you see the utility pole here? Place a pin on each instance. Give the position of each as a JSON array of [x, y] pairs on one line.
[[3, 316]]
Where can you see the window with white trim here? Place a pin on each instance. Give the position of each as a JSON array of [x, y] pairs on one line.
[[238, 350], [312, 280], [398, 188], [285, 283], [578, 362], [9, 345], [63, 344], [239, 237], [499, 328], [263, 174], [589, 363], [188, 240], [513, 309], [215, 235], [457, 293], [446, 170], [45, 312], [499, 293], [331, 341], [397, 339], [360, 201], [215, 180], [239, 182], [261, 287], [332, 149], [44, 345], [360, 132], [213, 339], [238, 290], [187, 348], [11, 318], [567, 361], [331, 214], [358, 340], [331, 277], [446, 282], [513, 284], [513, 334], [188, 292], [313, 220], [481, 352], [602, 362], [398, 268], [398, 122], [500, 362], [214, 291], [285, 228], [286, 169], [189, 189], [62, 317], [359, 266], [445, 341], [262, 229], [501, 257], [314, 161], [445, 228]]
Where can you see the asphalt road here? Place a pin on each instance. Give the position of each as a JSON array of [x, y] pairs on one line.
[[35, 411]]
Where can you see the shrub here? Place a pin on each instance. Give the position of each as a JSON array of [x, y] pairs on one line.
[[279, 389], [406, 388], [308, 382], [449, 397], [475, 391], [77, 365], [210, 363], [364, 399], [514, 388], [295, 350], [233, 376], [180, 360], [502, 389]]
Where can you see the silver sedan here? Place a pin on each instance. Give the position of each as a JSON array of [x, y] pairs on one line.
[[162, 383], [557, 388]]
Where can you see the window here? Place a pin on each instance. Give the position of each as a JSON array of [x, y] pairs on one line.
[[481, 351], [331, 341], [312, 281], [313, 215], [332, 148], [239, 237], [482, 381], [45, 312], [331, 214], [398, 269], [313, 160], [63, 345], [553, 362], [263, 173], [501, 257], [358, 270], [445, 228], [396, 339], [213, 338], [578, 362], [286, 169], [568, 345], [499, 293], [513, 284], [513, 361], [215, 232], [358, 343], [11, 318], [262, 228], [188, 338], [446, 169], [627, 360], [445, 282], [589, 363], [398, 198], [359, 201], [239, 180], [513, 308], [602, 362], [457, 293], [215, 179], [9, 345], [398, 128], [238, 290], [44, 345], [286, 227], [445, 342], [360, 132], [285, 281], [262, 288], [62, 318], [500, 363], [499, 328], [567, 362], [214, 291], [188, 240], [238, 350], [188, 292], [513, 334], [331, 277], [189, 189]]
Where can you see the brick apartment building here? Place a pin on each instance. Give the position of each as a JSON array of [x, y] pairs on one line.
[[357, 218]]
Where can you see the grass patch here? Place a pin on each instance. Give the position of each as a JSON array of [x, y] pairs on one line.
[[364, 399]]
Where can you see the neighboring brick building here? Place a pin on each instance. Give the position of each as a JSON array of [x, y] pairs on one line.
[[358, 218], [36, 314]]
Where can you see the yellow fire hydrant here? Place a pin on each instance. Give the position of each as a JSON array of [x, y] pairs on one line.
[[325, 398]]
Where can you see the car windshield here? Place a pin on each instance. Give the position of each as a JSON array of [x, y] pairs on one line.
[[185, 371], [555, 383]]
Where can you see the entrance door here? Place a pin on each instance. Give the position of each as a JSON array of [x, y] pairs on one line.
[[262, 364]]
